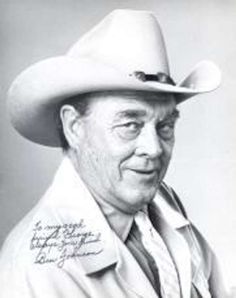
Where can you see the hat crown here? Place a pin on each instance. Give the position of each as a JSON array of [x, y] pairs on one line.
[[127, 40]]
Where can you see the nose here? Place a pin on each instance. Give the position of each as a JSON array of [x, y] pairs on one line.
[[149, 143]]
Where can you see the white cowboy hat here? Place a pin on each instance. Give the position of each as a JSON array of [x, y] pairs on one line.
[[125, 51]]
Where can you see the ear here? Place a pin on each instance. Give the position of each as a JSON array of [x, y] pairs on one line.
[[71, 122]]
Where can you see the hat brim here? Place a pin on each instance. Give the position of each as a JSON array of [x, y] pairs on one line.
[[40, 89]]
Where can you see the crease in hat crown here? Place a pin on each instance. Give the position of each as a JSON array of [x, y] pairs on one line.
[[105, 58], [127, 40]]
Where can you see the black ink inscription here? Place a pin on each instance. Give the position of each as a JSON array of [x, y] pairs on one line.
[[59, 243]]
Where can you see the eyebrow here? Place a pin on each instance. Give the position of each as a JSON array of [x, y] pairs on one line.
[[130, 114], [139, 113]]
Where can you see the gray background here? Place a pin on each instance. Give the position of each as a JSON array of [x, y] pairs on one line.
[[203, 168]]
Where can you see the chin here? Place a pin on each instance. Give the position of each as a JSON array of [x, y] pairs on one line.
[[139, 198]]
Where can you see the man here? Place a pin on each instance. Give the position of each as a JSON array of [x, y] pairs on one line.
[[108, 226]]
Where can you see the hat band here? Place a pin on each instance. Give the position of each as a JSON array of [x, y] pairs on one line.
[[160, 77]]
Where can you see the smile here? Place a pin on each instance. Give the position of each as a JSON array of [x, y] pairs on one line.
[[145, 173]]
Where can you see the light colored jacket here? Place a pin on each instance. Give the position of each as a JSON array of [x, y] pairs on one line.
[[65, 248]]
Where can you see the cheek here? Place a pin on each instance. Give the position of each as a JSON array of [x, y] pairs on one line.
[[105, 160], [167, 150], [116, 151], [107, 154]]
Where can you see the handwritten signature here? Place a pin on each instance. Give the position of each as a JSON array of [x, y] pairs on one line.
[[59, 243]]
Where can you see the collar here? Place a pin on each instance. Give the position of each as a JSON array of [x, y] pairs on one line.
[[174, 218]]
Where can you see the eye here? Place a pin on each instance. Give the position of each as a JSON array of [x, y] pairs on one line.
[[129, 130], [166, 130]]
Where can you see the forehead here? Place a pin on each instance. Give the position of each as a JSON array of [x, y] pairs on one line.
[[124, 104]]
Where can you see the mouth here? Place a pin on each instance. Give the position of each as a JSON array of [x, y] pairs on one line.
[[145, 173]]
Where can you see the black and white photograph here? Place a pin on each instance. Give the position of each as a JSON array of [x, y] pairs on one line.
[[117, 149]]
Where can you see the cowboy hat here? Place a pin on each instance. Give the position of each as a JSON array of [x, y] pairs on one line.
[[125, 51]]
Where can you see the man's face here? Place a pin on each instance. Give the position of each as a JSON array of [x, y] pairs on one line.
[[125, 147]]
